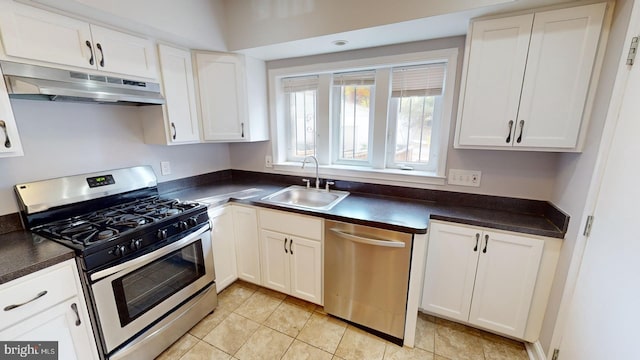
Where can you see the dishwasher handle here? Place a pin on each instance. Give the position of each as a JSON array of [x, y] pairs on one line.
[[368, 241]]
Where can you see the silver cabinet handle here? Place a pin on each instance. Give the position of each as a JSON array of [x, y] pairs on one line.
[[368, 241], [88, 43], [40, 294], [101, 54], [508, 140], [7, 141], [486, 242], [519, 139], [477, 238], [74, 307]]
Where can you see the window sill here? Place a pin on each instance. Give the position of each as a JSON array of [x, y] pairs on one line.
[[350, 173]]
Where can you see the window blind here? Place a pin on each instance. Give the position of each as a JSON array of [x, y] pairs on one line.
[[420, 80], [300, 83], [354, 78]]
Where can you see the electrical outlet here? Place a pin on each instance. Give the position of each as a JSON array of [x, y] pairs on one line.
[[268, 161], [464, 177], [165, 167]]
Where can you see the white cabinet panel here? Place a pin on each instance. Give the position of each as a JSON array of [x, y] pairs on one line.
[[175, 122], [223, 246], [561, 56], [505, 281], [496, 65], [481, 277], [306, 269], [10, 144], [526, 80], [247, 244], [123, 53], [275, 261], [36, 34], [450, 270]]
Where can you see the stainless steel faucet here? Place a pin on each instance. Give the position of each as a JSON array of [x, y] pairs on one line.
[[316, 160]]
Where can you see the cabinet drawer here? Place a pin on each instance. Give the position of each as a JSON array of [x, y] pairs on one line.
[[291, 224], [59, 283]]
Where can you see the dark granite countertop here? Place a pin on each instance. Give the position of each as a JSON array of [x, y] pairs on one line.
[[23, 253], [393, 213]]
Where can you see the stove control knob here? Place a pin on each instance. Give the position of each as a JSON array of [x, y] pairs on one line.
[[183, 225], [135, 244], [192, 222], [162, 234], [120, 250]]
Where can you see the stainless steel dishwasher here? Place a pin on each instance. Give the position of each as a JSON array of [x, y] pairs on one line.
[[366, 276]]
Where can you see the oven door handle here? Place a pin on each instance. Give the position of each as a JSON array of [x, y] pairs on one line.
[[150, 257]]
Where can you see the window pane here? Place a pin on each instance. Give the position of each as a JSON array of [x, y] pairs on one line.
[[354, 114], [302, 120], [414, 129]]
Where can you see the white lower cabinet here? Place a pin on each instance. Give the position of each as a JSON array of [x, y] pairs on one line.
[[48, 305], [481, 277], [247, 244], [223, 246], [292, 254]]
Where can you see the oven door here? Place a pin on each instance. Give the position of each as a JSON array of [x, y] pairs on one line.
[[131, 296]]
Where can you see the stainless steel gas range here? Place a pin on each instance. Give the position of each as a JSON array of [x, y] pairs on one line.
[[145, 262]]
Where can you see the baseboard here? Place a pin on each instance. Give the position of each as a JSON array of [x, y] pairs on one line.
[[535, 351]]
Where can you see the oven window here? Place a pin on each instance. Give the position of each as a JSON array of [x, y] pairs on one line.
[[142, 289]]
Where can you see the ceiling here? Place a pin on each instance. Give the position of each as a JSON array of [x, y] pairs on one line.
[[204, 26]]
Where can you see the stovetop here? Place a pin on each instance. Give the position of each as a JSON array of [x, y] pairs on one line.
[[114, 234], [113, 222]]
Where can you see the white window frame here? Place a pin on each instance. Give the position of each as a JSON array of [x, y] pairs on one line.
[[378, 172]]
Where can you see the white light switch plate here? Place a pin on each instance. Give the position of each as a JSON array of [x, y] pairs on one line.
[[165, 168], [464, 177]]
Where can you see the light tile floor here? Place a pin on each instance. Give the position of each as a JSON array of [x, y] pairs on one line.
[[254, 323]]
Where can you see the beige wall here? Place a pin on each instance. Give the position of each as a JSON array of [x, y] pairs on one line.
[[62, 139], [516, 174], [575, 171]]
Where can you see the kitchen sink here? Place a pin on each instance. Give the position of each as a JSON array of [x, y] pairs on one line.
[[307, 198]]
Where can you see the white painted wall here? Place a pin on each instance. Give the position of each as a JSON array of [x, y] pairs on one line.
[[505, 173], [61, 139], [575, 171]]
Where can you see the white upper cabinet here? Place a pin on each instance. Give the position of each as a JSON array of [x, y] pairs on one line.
[[10, 144], [232, 97], [527, 78], [175, 122], [49, 38]]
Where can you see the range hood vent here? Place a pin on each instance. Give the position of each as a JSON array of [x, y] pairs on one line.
[[26, 81]]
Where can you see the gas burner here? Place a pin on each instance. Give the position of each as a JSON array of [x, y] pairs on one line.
[[105, 234]]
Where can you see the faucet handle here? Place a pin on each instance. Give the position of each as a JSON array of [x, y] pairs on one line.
[[327, 183], [306, 181]]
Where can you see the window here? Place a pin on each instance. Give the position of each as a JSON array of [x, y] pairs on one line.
[[384, 118], [300, 102], [352, 112], [415, 103]]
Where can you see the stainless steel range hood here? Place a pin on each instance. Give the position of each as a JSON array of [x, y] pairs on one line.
[[42, 83]]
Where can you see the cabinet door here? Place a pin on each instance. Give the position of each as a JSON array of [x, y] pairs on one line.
[[505, 281], [223, 247], [495, 68], [222, 95], [559, 66], [36, 34], [10, 144], [275, 261], [247, 244], [122, 53], [179, 92], [59, 323], [306, 269], [452, 257]]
